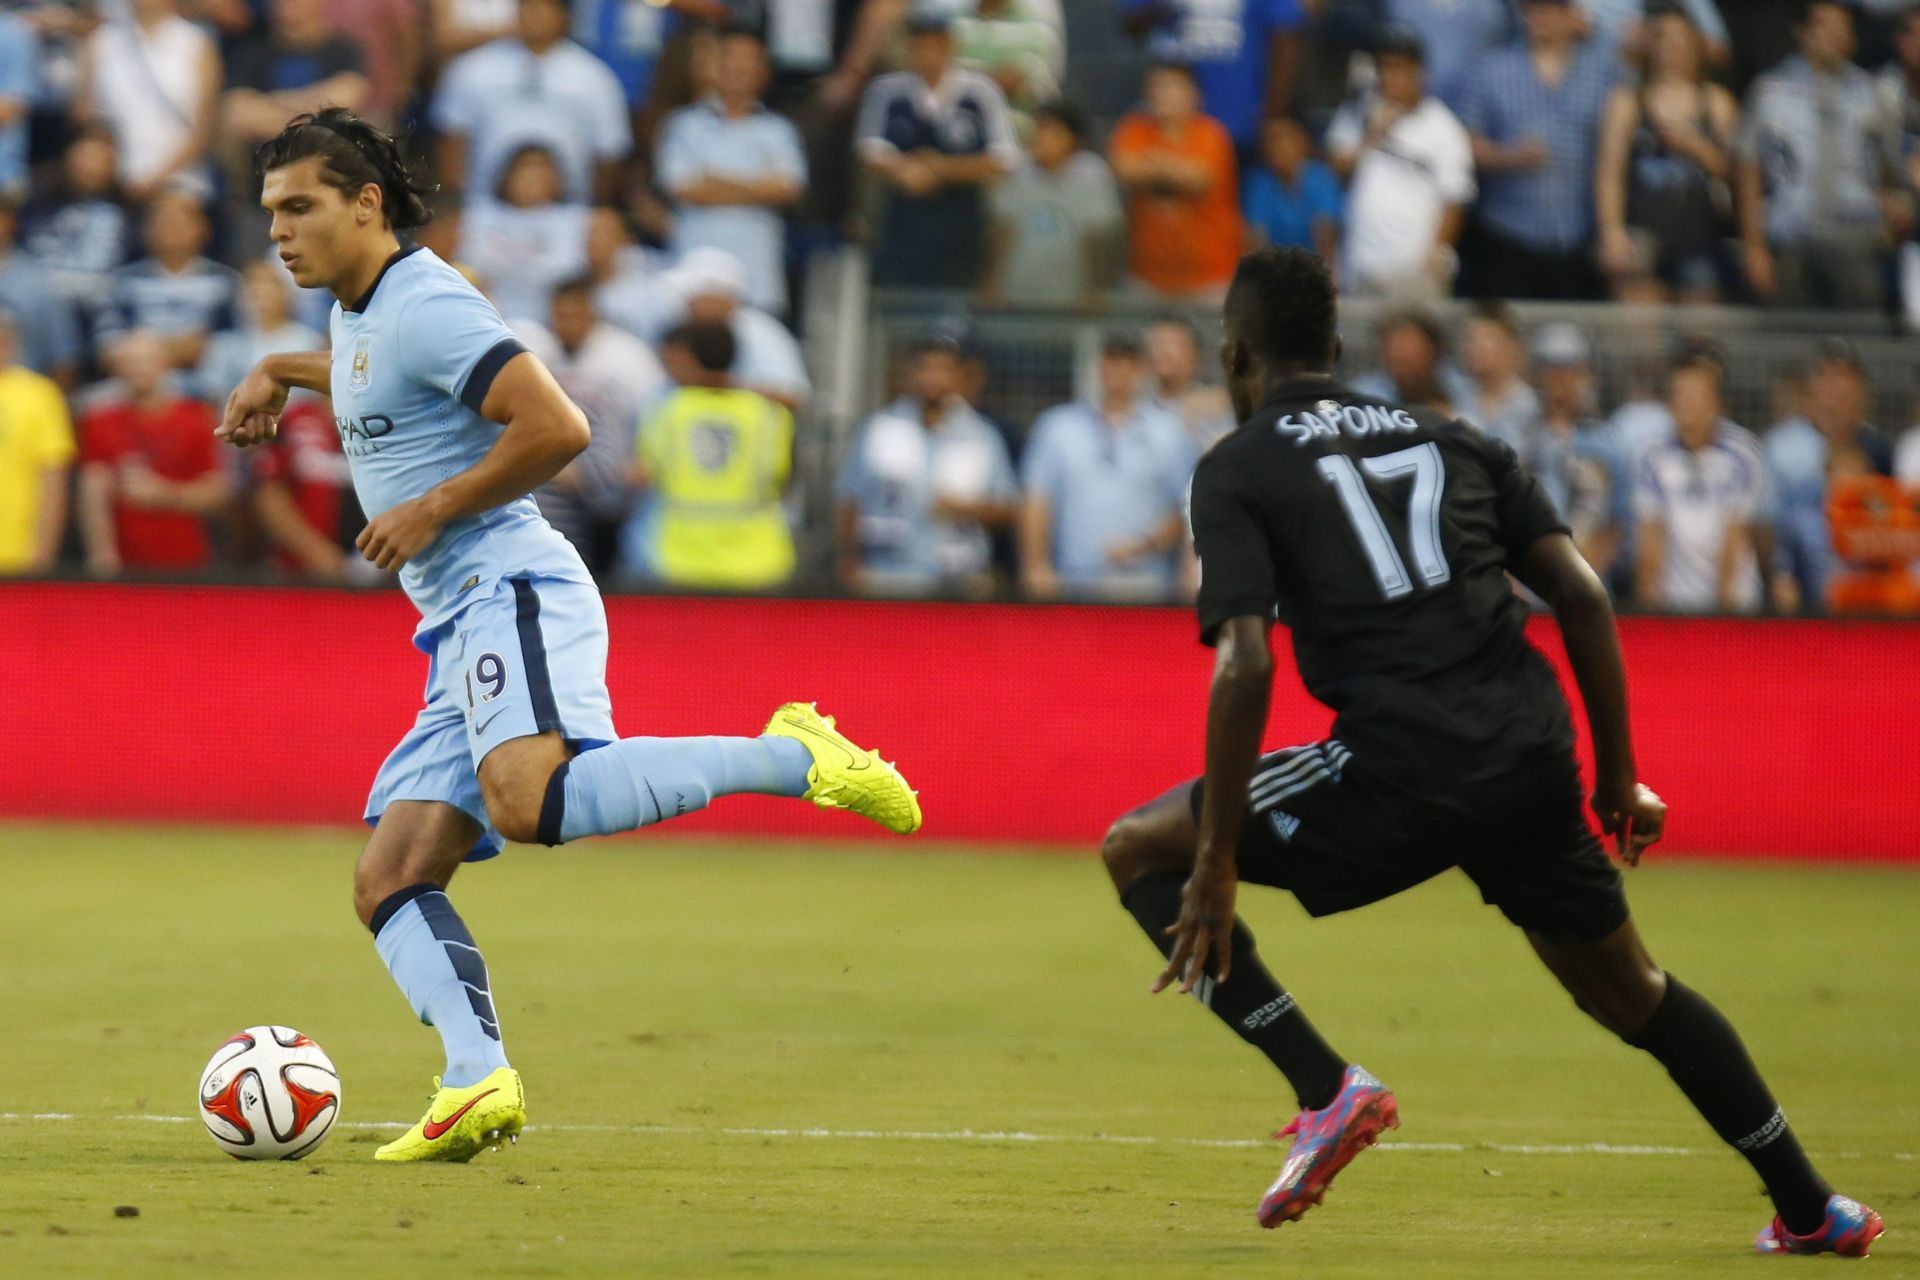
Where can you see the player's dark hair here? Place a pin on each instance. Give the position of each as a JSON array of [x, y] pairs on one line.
[[1281, 303], [354, 153], [711, 345]]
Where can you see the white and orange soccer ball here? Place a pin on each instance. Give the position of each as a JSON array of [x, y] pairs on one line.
[[269, 1093]]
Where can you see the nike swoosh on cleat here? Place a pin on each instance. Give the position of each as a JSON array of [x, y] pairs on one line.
[[854, 761], [432, 1128]]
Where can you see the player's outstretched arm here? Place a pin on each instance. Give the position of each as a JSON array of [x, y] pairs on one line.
[[1556, 572], [1236, 721], [253, 409], [544, 432]]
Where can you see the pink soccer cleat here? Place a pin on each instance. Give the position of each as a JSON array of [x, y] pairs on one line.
[[1325, 1141], [1850, 1230]]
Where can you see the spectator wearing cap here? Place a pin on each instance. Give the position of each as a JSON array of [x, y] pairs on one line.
[[1816, 160], [1414, 369], [1292, 200], [524, 237], [936, 137], [1831, 437], [731, 168], [155, 81], [535, 86], [36, 455], [149, 479], [713, 460], [1666, 156], [1498, 399], [176, 291], [713, 285], [1020, 44], [1177, 167], [1242, 53], [1056, 221], [924, 486], [1173, 368], [1455, 35], [1105, 486], [613, 376], [1534, 114], [1411, 168], [1702, 502], [1576, 456]]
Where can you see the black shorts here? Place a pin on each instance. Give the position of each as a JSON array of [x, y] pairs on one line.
[[1337, 835]]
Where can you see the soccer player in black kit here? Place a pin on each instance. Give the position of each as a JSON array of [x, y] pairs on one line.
[[1382, 538]]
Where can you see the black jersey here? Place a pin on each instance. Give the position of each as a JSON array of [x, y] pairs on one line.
[[1380, 537]]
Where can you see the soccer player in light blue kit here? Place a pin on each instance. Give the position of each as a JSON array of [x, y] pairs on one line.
[[449, 424]]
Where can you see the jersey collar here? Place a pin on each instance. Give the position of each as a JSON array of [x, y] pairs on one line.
[[364, 300]]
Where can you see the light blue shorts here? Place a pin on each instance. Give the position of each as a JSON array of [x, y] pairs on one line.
[[528, 657]]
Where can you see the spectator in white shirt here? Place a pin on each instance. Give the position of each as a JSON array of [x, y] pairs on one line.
[[1702, 500], [524, 240], [767, 359], [1410, 163], [733, 167], [629, 282], [536, 86]]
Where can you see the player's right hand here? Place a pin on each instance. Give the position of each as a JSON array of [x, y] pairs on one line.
[[253, 410], [1205, 927], [1636, 819]]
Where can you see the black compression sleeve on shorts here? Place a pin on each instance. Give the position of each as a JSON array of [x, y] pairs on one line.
[[1249, 1001]]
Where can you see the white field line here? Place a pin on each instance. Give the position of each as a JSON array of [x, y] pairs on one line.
[[978, 1135]]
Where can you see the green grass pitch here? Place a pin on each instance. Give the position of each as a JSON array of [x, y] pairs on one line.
[[789, 1061]]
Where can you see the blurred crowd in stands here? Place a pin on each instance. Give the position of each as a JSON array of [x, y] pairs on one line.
[[640, 185]]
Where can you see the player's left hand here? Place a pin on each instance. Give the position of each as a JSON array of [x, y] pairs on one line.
[[399, 533], [1205, 926], [1636, 821]]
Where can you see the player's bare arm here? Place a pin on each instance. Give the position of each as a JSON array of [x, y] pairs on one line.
[[1236, 721], [1555, 571], [253, 408], [544, 432]]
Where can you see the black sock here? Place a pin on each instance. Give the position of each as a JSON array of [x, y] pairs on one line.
[[1702, 1052], [1249, 1001]]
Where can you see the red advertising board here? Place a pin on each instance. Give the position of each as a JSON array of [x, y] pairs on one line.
[[1037, 724]]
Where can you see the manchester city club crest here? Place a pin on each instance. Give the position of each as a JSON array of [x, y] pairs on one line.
[[357, 375]]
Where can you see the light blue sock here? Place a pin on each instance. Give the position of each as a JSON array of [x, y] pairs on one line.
[[431, 955], [637, 782]]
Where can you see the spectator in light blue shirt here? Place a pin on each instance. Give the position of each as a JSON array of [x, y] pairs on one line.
[[536, 86], [1456, 35], [1534, 111], [1242, 53], [1293, 200], [1620, 25], [19, 79], [1106, 486], [926, 481], [1832, 435], [732, 167]]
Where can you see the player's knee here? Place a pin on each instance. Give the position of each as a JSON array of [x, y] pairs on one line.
[[1619, 998], [1124, 851]]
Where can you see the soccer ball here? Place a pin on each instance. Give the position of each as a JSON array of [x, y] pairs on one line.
[[269, 1093]]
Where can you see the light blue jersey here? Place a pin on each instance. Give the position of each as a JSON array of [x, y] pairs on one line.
[[413, 359]]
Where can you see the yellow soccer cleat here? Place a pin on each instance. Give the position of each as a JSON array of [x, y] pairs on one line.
[[847, 777], [463, 1122]]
